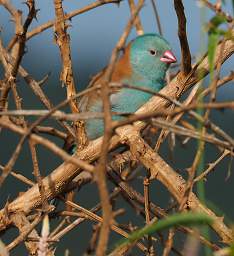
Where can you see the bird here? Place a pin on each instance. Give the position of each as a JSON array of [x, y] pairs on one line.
[[143, 63]]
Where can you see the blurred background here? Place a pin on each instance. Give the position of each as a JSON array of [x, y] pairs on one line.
[[93, 36]]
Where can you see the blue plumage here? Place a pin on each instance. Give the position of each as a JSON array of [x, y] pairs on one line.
[[144, 63]]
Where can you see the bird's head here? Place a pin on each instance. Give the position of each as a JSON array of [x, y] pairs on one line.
[[150, 57]]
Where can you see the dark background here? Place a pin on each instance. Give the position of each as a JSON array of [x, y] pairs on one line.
[[93, 36]]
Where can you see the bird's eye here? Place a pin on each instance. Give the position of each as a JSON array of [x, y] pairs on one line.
[[152, 52]]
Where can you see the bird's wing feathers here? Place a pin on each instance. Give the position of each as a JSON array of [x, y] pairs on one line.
[[121, 73]]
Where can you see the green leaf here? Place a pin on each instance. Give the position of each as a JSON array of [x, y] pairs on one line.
[[218, 20], [185, 219], [212, 45], [214, 33], [214, 23]]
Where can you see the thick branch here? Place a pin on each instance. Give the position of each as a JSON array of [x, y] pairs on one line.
[[176, 185]]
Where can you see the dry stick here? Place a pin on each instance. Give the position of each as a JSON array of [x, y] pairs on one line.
[[24, 233], [95, 217], [37, 175], [10, 8], [147, 214], [169, 242], [138, 24], [19, 50], [164, 133], [185, 52], [66, 76], [163, 124], [59, 115], [51, 131], [62, 39], [9, 80], [21, 36], [92, 152], [211, 166], [153, 2], [101, 174], [170, 179], [70, 15], [25, 229], [22, 178], [94, 238], [220, 83]]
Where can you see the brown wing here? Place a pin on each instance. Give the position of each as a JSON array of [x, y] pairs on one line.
[[86, 100], [121, 72]]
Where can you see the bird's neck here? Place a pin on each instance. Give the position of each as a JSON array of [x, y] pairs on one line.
[[123, 67], [150, 82]]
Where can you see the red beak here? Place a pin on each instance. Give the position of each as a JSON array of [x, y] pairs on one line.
[[168, 57]]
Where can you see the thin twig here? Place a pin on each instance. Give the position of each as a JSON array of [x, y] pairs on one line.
[[138, 24], [211, 167], [153, 2], [185, 52]]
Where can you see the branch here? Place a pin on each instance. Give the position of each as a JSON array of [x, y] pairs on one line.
[[138, 24], [108, 130], [185, 52], [66, 75], [176, 185]]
